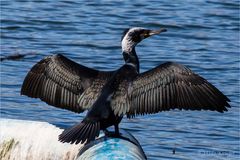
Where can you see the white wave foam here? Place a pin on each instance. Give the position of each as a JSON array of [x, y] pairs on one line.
[[25, 140]]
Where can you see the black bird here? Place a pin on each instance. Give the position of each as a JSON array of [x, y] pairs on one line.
[[108, 96]]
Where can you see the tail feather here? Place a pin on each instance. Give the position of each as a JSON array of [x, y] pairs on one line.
[[81, 134], [84, 131]]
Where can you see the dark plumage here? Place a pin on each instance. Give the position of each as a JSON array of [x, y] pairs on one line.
[[60, 82], [108, 96]]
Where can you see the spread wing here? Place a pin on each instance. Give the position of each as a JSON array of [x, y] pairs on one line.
[[170, 86], [60, 82]]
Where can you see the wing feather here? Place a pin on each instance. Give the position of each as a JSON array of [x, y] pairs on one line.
[[60, 82], [171, 86]]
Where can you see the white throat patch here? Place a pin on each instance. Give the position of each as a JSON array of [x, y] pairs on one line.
[[127, 43]]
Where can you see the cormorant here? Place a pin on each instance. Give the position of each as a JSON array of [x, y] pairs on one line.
[[108, 96]]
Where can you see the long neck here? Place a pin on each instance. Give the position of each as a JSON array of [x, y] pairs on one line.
[[132, 58]]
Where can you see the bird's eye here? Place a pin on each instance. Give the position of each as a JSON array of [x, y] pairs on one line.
[[145, 35]]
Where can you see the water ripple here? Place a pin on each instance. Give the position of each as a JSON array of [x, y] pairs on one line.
[[201, 35]]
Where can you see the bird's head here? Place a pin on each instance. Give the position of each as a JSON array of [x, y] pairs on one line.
[[131, 37]]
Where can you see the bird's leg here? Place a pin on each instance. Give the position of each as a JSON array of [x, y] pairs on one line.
[[112, 134], [116, 130], [118, 135], [109, 133], [106, 132]]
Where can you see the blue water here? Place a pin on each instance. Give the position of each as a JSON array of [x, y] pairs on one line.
[[202, 34]]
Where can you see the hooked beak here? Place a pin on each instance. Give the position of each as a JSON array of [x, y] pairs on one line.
[[154, 32], [149, 33]]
